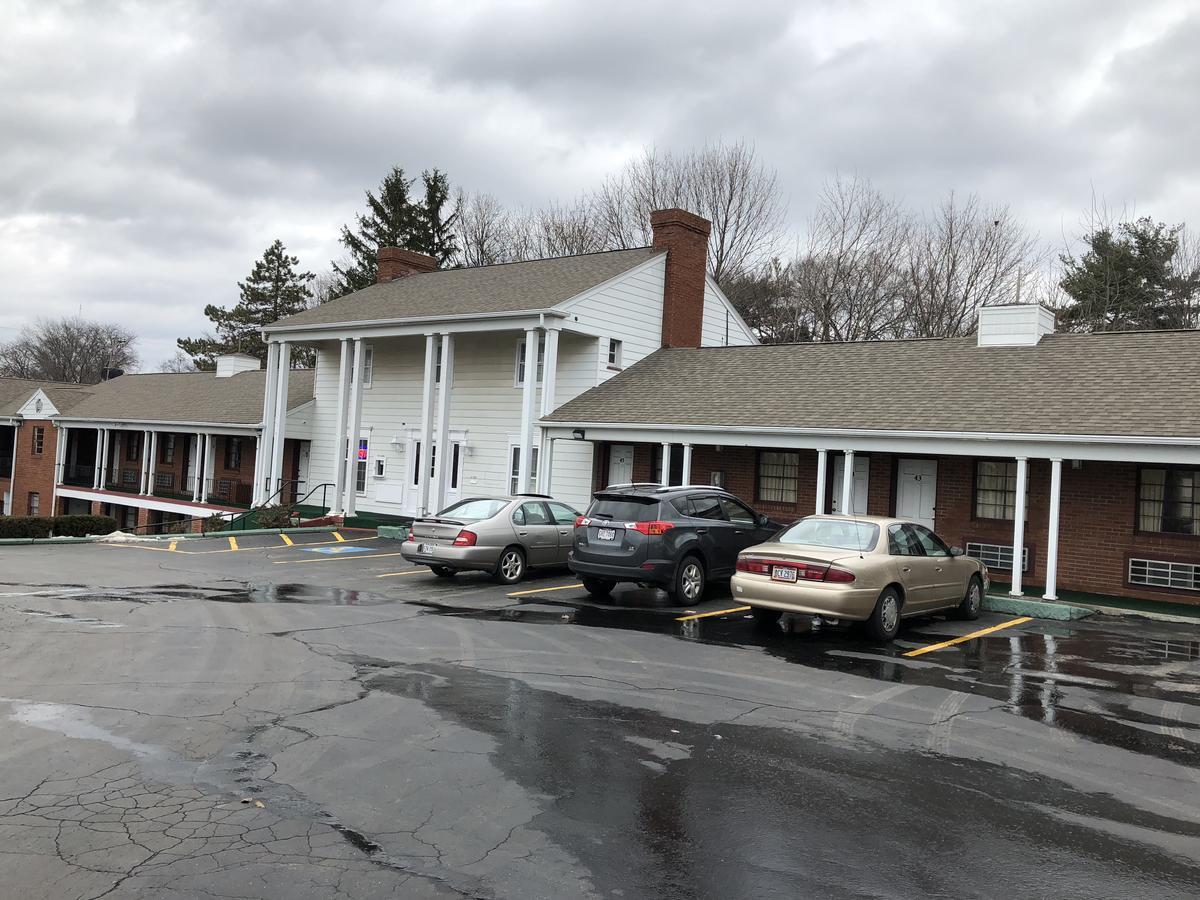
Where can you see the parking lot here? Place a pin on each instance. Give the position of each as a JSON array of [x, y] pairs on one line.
[[308, 716]]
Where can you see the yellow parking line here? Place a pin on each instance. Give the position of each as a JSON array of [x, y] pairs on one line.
[[232, 542], [565, 587], [969, 637], [718, 612], [171, 546], [284, 562], [416, 571], [337, 535], [287, 540]]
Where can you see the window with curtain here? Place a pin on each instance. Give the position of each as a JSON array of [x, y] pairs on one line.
[[995, 489], [778, 476], [1169, 501]]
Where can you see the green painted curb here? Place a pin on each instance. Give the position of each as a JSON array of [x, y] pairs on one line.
[[187, 536], [395, 532], [1037, 609]]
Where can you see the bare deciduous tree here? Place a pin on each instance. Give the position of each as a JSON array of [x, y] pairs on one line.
[[69, 350], [178, 363], [960, 257], [484, 230]]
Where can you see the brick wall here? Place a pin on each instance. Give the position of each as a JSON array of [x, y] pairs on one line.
[[1096, 520], [34, 472]]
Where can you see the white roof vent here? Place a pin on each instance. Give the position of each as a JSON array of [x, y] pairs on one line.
[[1019, 325], [232, 363]]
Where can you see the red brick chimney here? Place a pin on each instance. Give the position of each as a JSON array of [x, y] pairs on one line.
[[396, 262], [684, 236]]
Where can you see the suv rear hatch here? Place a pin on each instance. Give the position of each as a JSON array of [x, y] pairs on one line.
[[610, 534]]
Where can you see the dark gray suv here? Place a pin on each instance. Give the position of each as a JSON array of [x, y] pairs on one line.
[[676, 538]]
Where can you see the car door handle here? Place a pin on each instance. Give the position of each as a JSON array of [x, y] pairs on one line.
[[905, 569], [523, 533], [701, 531], [563, 531]]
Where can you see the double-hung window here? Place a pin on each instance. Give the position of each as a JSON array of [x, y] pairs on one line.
[[778, 476], [360, 466], [514, 479], [166, 449], [614, 353], [1169, 500], [39, 440], [233, 453], [520, 377], [996, 489]]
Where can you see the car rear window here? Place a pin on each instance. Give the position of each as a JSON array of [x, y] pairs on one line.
[[624, 509], [839, 534], [475, 509]]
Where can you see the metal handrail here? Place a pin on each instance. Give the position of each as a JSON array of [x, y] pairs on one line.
[[238, 522]]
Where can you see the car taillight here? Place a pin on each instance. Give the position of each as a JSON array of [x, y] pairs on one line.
[[466, 539], [807, 571], [841, 576], [650, 528], [582, 521], [756, 566]]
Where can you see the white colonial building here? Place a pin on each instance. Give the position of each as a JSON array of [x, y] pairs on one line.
[[435, 359]]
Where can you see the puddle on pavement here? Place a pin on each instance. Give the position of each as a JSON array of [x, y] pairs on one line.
[[656, 806], [73, 722]]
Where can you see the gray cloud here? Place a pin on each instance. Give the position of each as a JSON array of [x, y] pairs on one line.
[[152, 150]]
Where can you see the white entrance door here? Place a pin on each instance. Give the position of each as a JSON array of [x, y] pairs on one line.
[[620, 463], [916, 490], [414, 459], [862, 466]]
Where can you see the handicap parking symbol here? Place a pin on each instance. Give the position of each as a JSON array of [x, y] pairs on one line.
[[337, 550]]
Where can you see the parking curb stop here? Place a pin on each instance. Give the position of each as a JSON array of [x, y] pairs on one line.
[[1037, 609]]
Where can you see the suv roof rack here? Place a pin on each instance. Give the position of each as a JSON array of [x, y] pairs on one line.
[[648, 485], [690, 487]]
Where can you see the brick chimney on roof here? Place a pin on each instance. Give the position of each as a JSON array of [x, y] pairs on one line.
[[396, 262], [684, 236]]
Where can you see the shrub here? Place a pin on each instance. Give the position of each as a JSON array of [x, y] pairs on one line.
[[274, 516], [215, 522], [59, 526]]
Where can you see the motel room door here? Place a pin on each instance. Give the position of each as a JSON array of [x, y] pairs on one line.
[[620, 463], [916, 490]]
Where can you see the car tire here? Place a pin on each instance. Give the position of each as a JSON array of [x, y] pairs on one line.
[[690, 581], [972, 601], [884, 623], [766, 619], [510, 567], [443, 571], [600, 588]]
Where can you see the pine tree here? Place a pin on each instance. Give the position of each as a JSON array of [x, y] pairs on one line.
[[273, 290], [395, 219]]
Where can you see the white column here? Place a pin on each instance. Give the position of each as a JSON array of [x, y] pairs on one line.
[[527, 397], [280, 421], [427, 388], [105, 456], [546, 465], [339, 428], [822, 475], [153, 462], [206, 470], [444, 459], [256, 493], [1018, 555], [847, 504], [142, 474], [1052, 534], [12, 475], [354, 425], [687, 465], [60, 456], [664, 477], [549, 373], [262, 474], [99, 459], [197, 464]]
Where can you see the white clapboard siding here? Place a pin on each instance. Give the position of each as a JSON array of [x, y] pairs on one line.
[[722, 326]]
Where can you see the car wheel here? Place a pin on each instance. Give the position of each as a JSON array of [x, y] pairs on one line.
[[689, 581], [442, 571], [510, 568], [766, 618], [972, 601], [598, 587], [884, 623]]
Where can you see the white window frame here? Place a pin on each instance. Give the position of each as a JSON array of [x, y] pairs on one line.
[[364, 463], [519, 363], [379, 467], [514, 464], [615, 351], [368, 366]]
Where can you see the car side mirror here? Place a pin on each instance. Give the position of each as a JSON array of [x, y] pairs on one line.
[[956, 551], [763, 521]]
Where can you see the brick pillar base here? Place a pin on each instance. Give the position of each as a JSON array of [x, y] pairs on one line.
[[97, 508], [143, 517], [197, 526]]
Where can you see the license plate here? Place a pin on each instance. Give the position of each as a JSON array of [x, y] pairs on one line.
[[425, 548], [783, 573], [606, 534]]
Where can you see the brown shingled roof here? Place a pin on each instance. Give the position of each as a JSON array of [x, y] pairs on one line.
[[188, 397], [1132, 383], [510, 287], [14, 392]]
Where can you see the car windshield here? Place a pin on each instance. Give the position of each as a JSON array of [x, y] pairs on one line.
[[624, 510], [473, 509], [836, 533]]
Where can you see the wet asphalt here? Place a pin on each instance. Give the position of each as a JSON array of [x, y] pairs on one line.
[[322, 721]]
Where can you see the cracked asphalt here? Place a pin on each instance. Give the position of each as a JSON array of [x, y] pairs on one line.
[[300, 722]]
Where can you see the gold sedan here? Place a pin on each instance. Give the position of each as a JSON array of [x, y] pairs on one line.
[[861, 569]]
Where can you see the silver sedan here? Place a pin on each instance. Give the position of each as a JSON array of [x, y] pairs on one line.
[[505, 536]]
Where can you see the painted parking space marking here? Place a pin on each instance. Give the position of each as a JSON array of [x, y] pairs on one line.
[[287, 540], [336, 550], [414, 571], [338, 537], [969, 637], [298, 562], [715, 612], [565, 587], [232, 543], [171, 546]]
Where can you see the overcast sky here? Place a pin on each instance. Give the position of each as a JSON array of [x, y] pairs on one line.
[[150, 152]]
